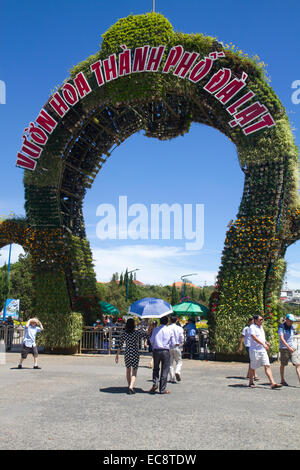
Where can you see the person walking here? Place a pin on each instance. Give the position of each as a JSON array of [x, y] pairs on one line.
[[175, 352], [287, 347], [32, 328], [191, 332], [131, 337], [245, 338], [152, 326], [162, 339], [258, 352]]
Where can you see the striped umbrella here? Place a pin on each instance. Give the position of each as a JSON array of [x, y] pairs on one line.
[[109, 309]]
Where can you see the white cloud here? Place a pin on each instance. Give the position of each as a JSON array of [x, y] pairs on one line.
[[16, 250], [157, 264], [293, 270]]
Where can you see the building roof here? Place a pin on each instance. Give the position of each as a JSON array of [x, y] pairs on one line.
[[178, 285]]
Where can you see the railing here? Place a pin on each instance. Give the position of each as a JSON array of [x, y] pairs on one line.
[[12, 336], [105, 340]]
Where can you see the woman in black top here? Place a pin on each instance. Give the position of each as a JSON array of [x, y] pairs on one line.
[[132, 338]]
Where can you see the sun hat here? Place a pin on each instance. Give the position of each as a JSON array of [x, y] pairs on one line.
[[291, 317]]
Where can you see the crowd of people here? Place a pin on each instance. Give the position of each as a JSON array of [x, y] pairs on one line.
[[166, 346], [166, 342], [254, 339]]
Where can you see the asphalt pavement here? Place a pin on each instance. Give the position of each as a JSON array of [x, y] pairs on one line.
[[81, 402]]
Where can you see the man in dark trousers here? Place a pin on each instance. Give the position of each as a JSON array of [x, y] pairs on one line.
[[162, 340], [191, 333]]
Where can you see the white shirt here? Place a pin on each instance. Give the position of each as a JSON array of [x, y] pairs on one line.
[[257, 331], [162, 338], [246, 334], [30, 334], [178, 333]]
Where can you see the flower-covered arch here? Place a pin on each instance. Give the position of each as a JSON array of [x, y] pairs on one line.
[[148, 77]]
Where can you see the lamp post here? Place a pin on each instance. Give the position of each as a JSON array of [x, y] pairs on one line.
[[129, 272], [186, 275], [8, 270]]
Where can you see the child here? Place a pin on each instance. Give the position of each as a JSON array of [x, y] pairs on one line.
[[29, 344]]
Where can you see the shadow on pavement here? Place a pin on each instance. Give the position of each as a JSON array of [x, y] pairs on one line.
[[121, 390], [257, 386], [238, 386], [242, 378]]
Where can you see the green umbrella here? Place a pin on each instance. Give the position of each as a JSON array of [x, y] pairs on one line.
[[109, 309], [191, 309]]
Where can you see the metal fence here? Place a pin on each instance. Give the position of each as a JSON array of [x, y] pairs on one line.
[[105, 340], [12, 336]]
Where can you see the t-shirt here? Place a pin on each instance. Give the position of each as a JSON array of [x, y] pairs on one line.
[[257, 331], [162, 338], [178, 333], [30, 334], [246, 334], [190, 329], [288, 334]]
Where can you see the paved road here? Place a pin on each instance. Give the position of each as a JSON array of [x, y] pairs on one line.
[[78, 402]]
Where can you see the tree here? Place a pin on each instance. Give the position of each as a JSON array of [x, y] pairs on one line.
[[131, 288], [174, 295], [21, 284], [3, 286], [115, 277], [202, 295]]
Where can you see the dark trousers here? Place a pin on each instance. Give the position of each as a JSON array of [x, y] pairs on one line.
[[191, 345], [162, 365]]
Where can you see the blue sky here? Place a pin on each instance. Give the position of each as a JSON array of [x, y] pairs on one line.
[[41, 41]]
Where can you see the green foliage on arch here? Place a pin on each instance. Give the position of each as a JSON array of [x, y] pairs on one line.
[[268, 219]]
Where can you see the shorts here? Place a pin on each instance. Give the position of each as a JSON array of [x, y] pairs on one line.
[[258, 358], [286, 355], [29, 350]]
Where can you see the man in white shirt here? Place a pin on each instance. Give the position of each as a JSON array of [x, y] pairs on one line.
[[29, 344], [245, 338], [175, 352], [162, 339], [258, 352]]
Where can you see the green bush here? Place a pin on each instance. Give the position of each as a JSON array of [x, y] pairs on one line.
[[61, 331]]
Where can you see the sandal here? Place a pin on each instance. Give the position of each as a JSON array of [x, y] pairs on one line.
[[252, 385], [284, 383], [275, 386]]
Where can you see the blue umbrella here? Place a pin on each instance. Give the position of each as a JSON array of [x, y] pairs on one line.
[[150, 307]]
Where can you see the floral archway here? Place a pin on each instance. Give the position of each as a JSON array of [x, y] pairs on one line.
[[148, 77]]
